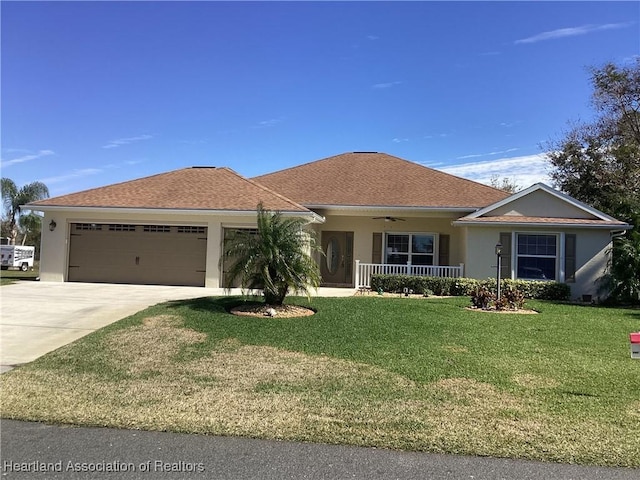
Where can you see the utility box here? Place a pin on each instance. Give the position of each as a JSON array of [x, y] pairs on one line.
[[634, 338]]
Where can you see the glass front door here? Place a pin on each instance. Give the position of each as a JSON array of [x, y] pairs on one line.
[[336, 267]]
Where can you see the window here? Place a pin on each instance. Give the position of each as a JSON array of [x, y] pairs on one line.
[[536, 256], [414, 248], [190, 229], [122, 228], [157, 228], [88, 226]]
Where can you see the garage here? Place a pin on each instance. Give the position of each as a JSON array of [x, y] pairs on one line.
[[137, 254]]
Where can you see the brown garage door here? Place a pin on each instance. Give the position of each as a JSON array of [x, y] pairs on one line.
[[138, 254]]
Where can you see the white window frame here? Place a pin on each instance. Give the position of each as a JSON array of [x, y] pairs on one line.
[[410, 254], [559, 256]]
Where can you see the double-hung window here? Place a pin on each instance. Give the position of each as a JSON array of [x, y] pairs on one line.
[[537, 256], [410, 248]]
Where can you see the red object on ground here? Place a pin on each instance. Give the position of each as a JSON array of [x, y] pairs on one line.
[[634, 337]]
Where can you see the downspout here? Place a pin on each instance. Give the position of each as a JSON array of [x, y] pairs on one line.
[[618, 234]]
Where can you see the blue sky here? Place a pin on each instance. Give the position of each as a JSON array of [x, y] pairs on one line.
[[100, 92]]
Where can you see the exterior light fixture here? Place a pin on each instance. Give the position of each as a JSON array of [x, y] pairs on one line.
[[52, 225]]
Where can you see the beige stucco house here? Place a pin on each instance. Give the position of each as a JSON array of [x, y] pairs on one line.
[[372, 212]]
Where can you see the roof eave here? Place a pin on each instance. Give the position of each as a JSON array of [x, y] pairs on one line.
[[312, 216], [465, 223], [388, 208]]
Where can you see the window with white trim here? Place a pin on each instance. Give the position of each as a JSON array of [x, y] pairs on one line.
[[536, 256], [413, 248]]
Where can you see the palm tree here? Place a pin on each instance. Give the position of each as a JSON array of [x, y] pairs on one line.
[[31, 227], [13, 197], [276, 258]]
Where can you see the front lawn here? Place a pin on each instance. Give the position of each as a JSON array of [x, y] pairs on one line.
[[8, 277], [415, 374]]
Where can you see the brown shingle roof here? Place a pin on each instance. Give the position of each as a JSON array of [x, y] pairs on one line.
[[207, 188], [377, 179], [519, 219]]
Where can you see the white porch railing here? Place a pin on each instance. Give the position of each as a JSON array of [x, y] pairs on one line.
[[365, 270]]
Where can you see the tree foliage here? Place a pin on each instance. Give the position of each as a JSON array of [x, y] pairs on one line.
[[505, 184], [12, 200], [598, 162], [277, 258]]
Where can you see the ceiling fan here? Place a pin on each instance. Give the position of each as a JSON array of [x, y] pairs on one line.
[[389, 219]]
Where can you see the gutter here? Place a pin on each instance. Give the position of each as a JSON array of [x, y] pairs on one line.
[[618, 234]]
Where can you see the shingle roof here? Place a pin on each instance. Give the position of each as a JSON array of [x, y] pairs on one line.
[[206, 188], [377, 179], [519, 219]]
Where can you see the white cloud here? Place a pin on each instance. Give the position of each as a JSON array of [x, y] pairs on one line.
[[269, 123], [372, 37], [525, 170], [400, 140], [125, 141], [79, 173], [437, 135], [379, 86], [477, 155], [571, 32], [26, 158]]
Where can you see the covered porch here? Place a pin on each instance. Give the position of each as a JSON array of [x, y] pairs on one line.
[[364, 271], [357, 246]]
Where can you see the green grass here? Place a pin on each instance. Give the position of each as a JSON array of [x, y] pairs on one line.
[[415, 374], [8, 277]]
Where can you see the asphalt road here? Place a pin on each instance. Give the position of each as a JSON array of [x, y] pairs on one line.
[[77, 453]]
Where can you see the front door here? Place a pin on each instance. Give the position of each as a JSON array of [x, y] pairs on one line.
[[336, 266]]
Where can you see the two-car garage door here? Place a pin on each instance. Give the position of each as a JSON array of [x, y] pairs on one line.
[[138, 254]]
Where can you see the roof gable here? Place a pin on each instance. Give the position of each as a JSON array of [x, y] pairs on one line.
[[196, 188], [540, 200], [377, 179], [541, 205]]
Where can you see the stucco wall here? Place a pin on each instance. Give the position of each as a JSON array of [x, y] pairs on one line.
[[591, 255]]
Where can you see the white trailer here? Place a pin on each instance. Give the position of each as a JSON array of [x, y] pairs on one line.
[[17, 256]]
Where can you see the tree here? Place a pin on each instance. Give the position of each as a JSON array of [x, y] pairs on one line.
[[12, 199], [30, 226], [599, 163], [505, 184], [277, 258]]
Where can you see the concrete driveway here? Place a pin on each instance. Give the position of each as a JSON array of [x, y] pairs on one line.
[[39, 317]]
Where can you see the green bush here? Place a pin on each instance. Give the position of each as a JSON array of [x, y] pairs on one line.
[[511, 299], [461, 287], [482, 297]]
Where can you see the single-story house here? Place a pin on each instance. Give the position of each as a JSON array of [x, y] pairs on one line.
[[373, 212]]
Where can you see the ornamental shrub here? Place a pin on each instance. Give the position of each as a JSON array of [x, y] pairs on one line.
[[462, 287]]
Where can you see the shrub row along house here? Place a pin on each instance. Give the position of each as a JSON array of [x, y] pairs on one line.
[[373, 213]]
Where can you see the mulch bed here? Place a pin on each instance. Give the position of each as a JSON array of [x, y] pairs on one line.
[[265, 311]]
